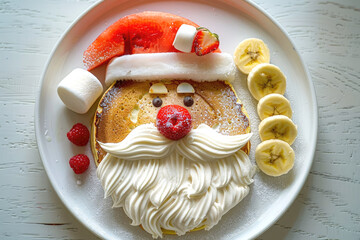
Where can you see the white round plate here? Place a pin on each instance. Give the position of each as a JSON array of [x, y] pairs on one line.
[[234, 21]]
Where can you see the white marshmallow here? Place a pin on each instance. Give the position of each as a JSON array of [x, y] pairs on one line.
[[184, 38], [79, 90], [171, 66]]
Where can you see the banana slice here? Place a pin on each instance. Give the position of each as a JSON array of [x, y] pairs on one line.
[[264, 79], [249, 53], [278, 127], [274, 157], [273, 104]]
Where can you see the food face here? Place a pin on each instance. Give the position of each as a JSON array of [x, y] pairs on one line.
[[176, 185], [129, 104]]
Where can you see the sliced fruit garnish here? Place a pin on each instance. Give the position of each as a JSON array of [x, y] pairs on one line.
[[185, 88], [158, 88], [265, 79], [278, 127], [205, 41], [273, 104], [274, 157], [249, 53]]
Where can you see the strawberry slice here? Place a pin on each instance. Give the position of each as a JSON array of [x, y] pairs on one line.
[[205, 41]]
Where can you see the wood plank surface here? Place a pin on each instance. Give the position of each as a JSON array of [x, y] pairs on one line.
[[327, 35]]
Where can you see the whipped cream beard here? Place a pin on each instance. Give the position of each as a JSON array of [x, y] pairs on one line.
[[176, 185]]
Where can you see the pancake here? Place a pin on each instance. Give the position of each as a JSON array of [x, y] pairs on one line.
[[128, 104]]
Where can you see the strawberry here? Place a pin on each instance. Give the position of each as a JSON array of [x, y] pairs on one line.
[[173, 121], [79, 135], [79, 163], [205, 41]]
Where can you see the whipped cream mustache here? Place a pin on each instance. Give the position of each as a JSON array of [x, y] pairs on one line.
[[202, 144], [176, 185]]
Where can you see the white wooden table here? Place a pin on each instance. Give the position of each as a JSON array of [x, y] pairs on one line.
[[327, 34]]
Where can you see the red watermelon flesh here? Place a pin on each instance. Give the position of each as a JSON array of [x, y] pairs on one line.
[[152, 32], [146, 32], [107, 45]]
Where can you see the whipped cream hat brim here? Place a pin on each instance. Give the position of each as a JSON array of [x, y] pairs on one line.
[[171, 66]]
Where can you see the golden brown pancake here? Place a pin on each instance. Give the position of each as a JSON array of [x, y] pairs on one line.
[[128, 104]]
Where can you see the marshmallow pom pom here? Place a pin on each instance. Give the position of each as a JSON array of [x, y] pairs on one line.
[[79, 90], [184, 38], [171, 66]]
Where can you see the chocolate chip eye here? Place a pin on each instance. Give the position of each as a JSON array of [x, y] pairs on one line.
[[188, 101], [157, 102]]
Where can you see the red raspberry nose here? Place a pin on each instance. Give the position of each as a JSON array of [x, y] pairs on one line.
[[173, 121]]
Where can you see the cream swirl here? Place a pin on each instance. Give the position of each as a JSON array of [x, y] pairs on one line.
[[144, 142], [201, 144], [176, 185]]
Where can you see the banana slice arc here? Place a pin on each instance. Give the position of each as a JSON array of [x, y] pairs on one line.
[[249, 53], [265, 79], [278, 127], [273, 104], [274, 157]]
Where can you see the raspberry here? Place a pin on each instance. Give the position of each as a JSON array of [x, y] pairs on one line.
[[78, 135], [173, 121], [79, 163]]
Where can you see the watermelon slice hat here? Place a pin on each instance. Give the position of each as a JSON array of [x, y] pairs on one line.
[[146, 32]]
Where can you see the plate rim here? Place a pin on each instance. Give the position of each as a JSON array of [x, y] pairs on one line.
[[306, 171]]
